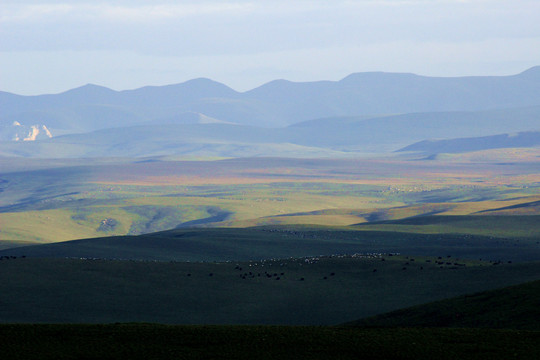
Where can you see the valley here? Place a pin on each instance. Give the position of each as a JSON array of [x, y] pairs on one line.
[[69, 201], [244, 179]]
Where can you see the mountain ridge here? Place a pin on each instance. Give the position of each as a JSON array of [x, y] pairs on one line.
[[282, 102], [362, 113], [534, 71]]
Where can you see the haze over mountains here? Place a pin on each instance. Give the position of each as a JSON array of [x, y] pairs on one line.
[[362, 113]]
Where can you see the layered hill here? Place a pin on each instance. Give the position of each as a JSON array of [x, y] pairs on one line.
[[195, 134]]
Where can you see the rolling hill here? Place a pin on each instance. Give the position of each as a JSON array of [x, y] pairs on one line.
[[195, 134], [514, 307], [515, 140], [229, 244]]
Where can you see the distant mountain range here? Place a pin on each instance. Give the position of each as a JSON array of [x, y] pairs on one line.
[[365, 112]]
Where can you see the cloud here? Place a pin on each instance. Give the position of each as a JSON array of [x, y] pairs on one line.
[[62, 70], [29, 13], [162, 12], [97, 41], [123, 13], [206, 28], [143, 12]]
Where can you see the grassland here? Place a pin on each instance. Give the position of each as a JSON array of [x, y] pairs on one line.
[[230, 244], [268, 251], [69, 201], [300, 291], [149, 341]]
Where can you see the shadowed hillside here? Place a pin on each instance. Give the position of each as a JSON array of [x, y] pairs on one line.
[[302, 291], [514, 307], [229, 244]]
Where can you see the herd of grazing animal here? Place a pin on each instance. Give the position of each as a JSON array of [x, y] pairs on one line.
[[255, 270]]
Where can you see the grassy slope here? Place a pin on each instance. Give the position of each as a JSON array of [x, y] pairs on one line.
[[493, 226], [147, 341], [98, 291], [514, 307], [221, 244]]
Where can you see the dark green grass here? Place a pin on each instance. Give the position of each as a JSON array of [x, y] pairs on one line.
[[149, 341], [514, 307], [334, 290]]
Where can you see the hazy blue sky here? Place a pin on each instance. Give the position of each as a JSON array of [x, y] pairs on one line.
[[52, 46]]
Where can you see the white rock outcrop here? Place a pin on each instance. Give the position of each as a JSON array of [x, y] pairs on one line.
[[19, 132]]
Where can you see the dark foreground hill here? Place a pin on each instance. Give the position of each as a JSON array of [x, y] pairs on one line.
[[149, 341], [514, 307]]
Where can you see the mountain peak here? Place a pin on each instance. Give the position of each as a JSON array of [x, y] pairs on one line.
[[531, 73], [90, 89], [203, 83], [202, 80], [379, 75], [191, 89]]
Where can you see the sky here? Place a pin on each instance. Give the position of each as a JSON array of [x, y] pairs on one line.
[[52, 46]]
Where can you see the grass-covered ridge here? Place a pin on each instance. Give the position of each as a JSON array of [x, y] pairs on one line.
[[514, 307], [230, 244]]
